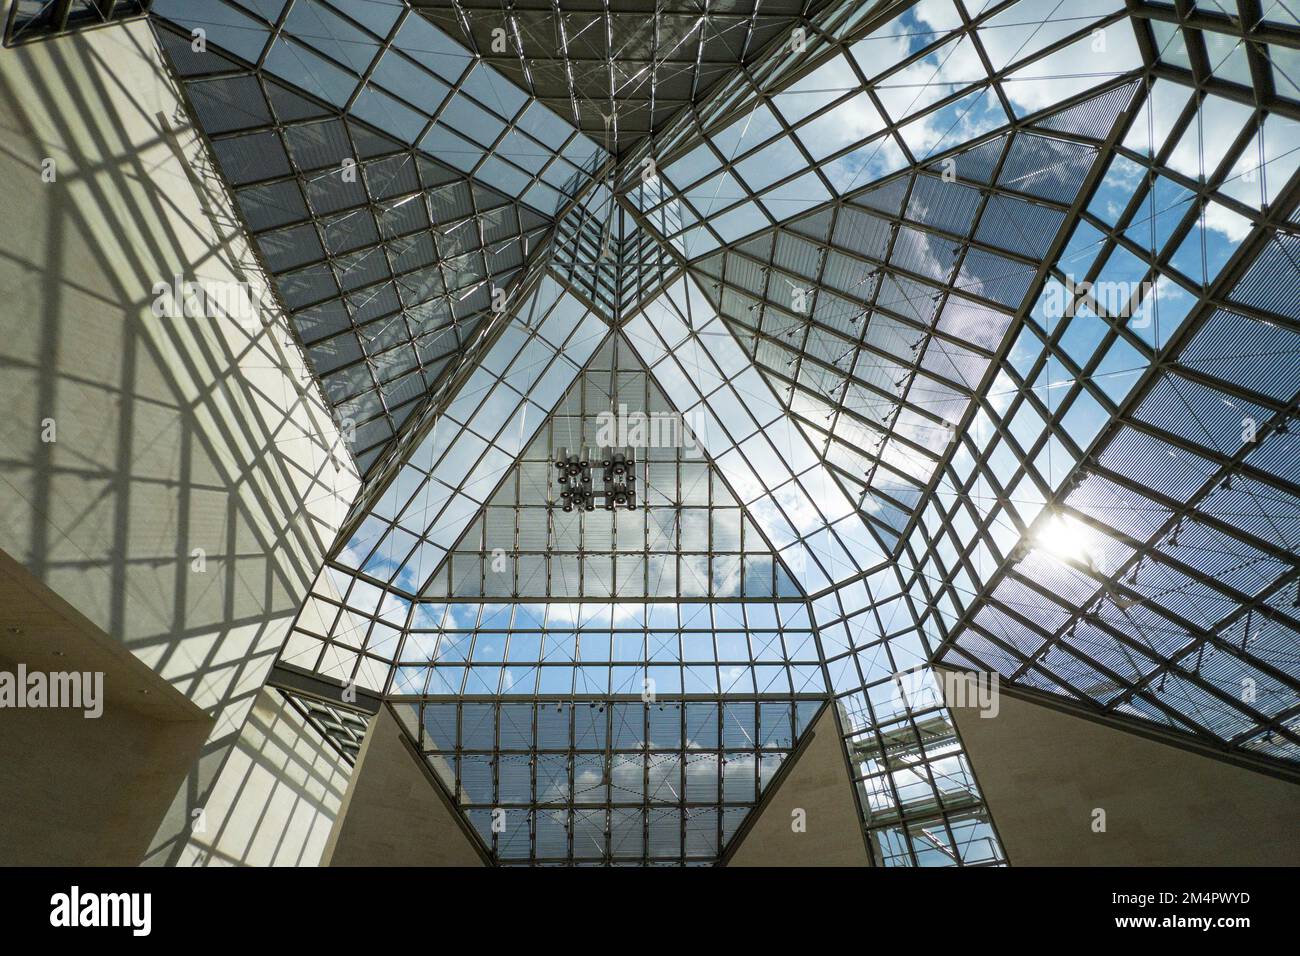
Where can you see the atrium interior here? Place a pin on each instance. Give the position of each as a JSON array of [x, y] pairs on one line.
[[650, 432]]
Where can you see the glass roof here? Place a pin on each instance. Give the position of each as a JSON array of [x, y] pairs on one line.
[[619, 71], [616, 783], [976, 319], [861, 107], [390, 179]]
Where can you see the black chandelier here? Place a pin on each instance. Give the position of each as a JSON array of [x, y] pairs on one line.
[[618, 485]]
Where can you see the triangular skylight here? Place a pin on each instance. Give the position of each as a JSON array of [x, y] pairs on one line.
[[982, 315]]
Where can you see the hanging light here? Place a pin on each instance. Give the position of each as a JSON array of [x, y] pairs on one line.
[[574, 479], [577, 488]]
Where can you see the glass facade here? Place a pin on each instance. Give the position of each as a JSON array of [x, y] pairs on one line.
[[974, 323], [614, 783]]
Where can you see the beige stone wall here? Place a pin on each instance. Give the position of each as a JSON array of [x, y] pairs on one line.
[[392, 814], [818, 785], [1044, 773], [85, 784]]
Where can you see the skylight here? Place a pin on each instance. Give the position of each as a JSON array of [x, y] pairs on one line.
[[977, 321]]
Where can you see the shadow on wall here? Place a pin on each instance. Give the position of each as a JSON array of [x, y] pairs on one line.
[[175, 479], [282, 789]]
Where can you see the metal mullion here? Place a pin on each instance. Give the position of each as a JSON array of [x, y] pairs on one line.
[[1201, 193], [1241, 308], [1034, 660], [842, 198], [891, 417], [328, 262], [1154, 731], [690, 113], [941, 299], [646, 375], [1100, 23], [728, 166], [1052, 638], [1161, 260], [278, 33], [978, 44], [1254, 605], [645, 808], [1025, 467], [788, 133], [710, 461], [62, 10], [430, 117], [1053, 420], [1226, 464], [1198, 634], [381, 483], [946, 294], [901, 219], [1199, 19], [1178, 511], [1052, 641], [982, 522], [230, 190], [861, 345], [1148, 550], [385, 45], [699, 54], [963, 557], [626, 61], [570, 773], [857, 417], [978, 803], [372, 206], [819, 58], [842, 738], [801, 353], [1231, 91], [1261, 75], [992, 79], [872, 521], [496, 764], [885, 777], [924, 762], [1282, 719], [608, 775]]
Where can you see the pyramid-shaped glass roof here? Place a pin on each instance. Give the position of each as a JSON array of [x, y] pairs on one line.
[[977, 320]]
